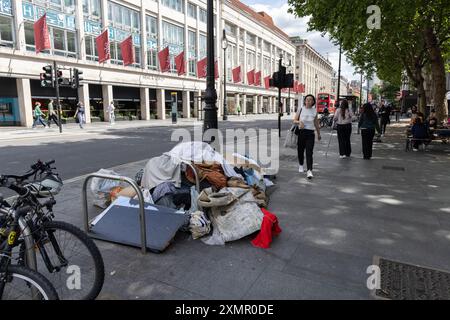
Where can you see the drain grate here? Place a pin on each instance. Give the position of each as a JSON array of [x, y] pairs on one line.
[[401, 281], [393, 168]]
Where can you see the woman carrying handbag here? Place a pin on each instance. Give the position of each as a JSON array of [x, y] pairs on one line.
[[307, 120]]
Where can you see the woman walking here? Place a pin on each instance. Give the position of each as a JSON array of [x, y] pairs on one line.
[[343, 119], [368, 122], [307, 120], [79, 114]]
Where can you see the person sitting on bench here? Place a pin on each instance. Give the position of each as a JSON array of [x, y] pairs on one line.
[[420, 133]]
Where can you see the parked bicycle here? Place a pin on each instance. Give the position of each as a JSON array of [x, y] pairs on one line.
[[67, 256], [326, 121], [18, 282]]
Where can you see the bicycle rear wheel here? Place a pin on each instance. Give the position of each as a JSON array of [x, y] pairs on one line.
[[20, 283], [80, 271]]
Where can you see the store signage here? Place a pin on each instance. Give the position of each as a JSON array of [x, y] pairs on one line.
[[6, 7], [56, 19], [120, 35], [92, 27]]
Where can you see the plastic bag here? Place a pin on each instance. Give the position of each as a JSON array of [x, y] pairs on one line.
[[199, 225], [101, 188], [291, 138]]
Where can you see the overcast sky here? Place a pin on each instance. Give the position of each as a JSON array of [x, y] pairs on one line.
[[298, 27]]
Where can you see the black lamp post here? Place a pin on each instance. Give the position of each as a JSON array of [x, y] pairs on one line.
[[289, 94], [339, 75], [210, 121], [224, 47]]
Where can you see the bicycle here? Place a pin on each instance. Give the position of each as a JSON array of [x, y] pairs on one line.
[[326, 121], [18, 282], [67, 256]]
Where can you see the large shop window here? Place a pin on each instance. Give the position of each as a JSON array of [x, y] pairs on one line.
[[152, 42], [6, 31], [92, 9], [177, 5], [63, 42], [66, 6], [192, 45], [173, 36]]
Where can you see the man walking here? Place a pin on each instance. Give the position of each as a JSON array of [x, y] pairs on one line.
[[384, 114], [37, 114], [51, 114]]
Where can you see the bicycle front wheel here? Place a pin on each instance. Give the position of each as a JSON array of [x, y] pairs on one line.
[[71, 261], [20, 283]]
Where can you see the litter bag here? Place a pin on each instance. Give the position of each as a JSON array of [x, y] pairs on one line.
[[101, 188]]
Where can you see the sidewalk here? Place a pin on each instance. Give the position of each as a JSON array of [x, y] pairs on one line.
[[394, 206], [73, 129]]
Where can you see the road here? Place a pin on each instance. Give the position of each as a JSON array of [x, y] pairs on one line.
[[79, 155]]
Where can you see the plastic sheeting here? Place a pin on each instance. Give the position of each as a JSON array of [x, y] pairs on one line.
[[200, 152], [236, 221]]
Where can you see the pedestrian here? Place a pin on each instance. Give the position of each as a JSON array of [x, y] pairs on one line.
[[239, 110], [80, 114], [397, 112], [384, 114], [420, 133], [368, 122], [112, 115], [343, 118], [37, 114], [52, 114], [307, 120]]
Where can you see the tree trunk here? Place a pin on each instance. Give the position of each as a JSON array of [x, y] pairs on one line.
[[437, 73], [421, 94]]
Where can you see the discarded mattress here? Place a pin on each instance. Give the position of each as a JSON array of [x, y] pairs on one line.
[[120, 223]]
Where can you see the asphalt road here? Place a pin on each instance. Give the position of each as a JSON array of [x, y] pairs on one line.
[[111, 148]]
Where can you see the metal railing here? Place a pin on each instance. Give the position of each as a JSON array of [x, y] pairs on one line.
[[137, 189]]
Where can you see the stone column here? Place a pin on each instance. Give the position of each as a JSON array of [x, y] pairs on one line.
[[255, 104], [186, 104], [105, 25], [161, 103], [107, 91], [144, 48], [83, 93], [244, 104], [19, 26], [79, 16], [145, 103], [237, 102], [25, 103]]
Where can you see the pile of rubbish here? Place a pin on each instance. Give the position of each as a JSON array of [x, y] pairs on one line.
[[224, 198]]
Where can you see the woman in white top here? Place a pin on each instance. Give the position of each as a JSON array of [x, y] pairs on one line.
[[343, 117], [112, 115], [307, 120]]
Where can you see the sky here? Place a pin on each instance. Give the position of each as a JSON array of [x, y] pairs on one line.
[[298, 27]]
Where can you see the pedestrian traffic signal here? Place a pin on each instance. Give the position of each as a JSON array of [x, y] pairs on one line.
[[47, 78], [77, 78], [59, 77]]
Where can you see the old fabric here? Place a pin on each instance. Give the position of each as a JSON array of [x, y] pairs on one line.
[[161, 169], [269, 229]]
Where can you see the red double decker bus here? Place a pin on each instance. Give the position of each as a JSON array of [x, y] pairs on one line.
[[326, 100]]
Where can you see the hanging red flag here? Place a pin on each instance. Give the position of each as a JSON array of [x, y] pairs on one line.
[[237, 75], [102, 42], [258, 78], [267, 82], [164, 60], [295, 86], [128, 53], [251, 77], [201, 68], [181, 64], [41, 35]]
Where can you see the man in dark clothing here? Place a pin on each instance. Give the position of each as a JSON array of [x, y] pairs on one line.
[[384, 114]]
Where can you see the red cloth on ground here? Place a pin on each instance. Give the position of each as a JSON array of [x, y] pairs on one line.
[[269, 228]]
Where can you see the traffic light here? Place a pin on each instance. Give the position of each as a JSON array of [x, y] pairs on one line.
[[47, 78], [77, 78], [59, 77]]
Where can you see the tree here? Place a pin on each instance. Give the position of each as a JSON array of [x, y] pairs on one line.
[[413, 34], [389, 91], [375, 92]]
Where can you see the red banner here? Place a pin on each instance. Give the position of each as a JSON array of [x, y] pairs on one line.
[[267, 82], [164, 60], [296, 86], [251, 77], [181, 64], [237, 75], [102, 42], [258, 78], [41, 35], [302, 88], [128, 54], [201, 68]]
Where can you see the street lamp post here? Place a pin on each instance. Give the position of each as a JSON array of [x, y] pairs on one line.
[[315, 85], [224, 47], [289, 94], [210, 121], [339, 75]]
